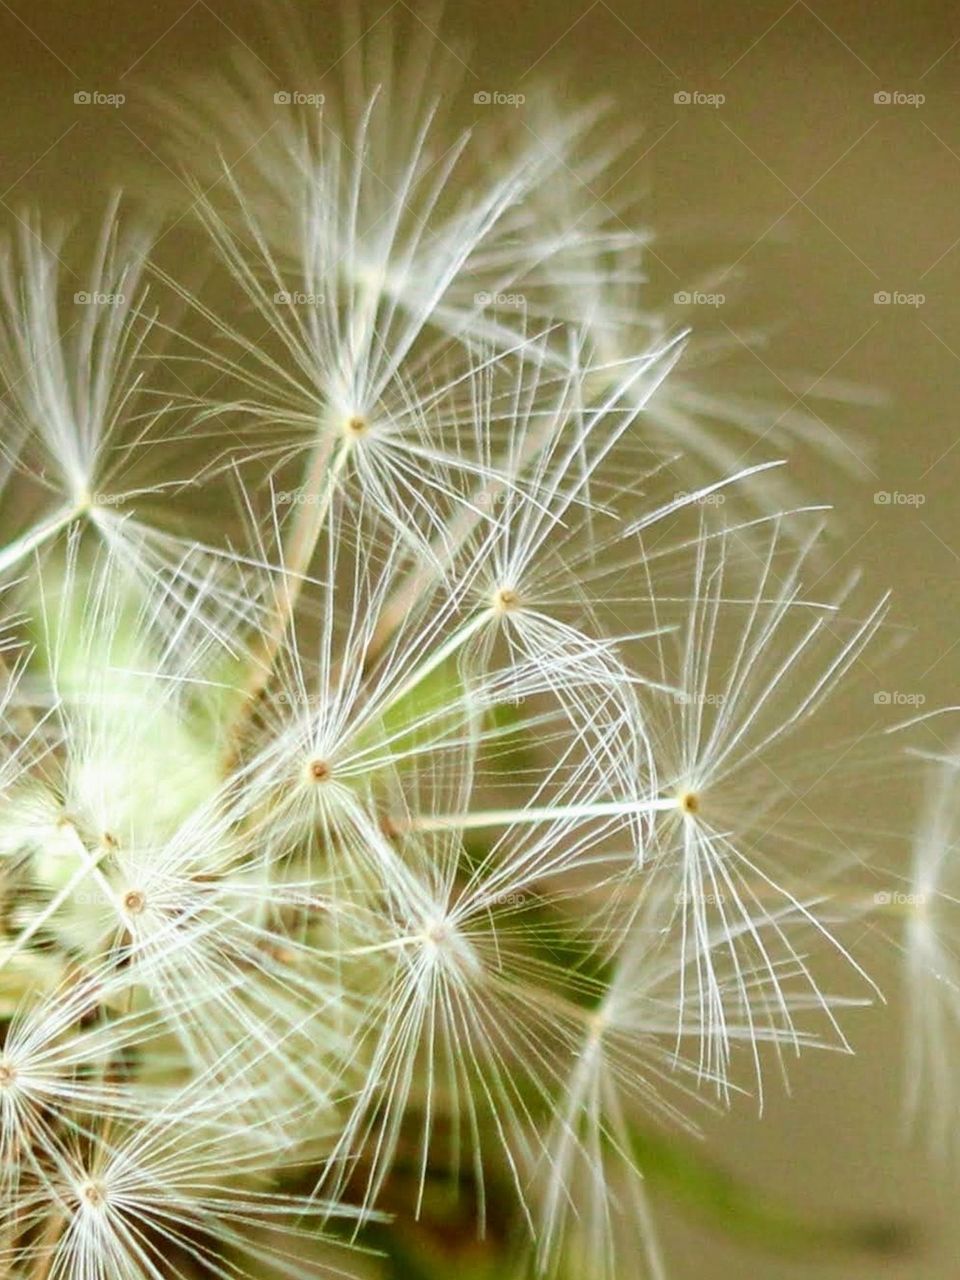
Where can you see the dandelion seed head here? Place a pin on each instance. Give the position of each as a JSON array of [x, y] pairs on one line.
[[92, 1194], [506, 600], [315, 824], [356, 427], [134, 902], [445, 945], [688, 802], [435, 933], [597, 1023], [319, 771]]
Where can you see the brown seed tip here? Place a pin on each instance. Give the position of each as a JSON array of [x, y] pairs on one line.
[[7, 1073], [319, 771], [505, 599], [390, 827], [689, 802], [356, 425], [436, 932], [93, 1193], [134, 901]]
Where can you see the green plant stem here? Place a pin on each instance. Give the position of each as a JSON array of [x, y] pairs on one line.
[[750, 1215]]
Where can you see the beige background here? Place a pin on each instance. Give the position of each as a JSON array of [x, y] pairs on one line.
[[823, 198]]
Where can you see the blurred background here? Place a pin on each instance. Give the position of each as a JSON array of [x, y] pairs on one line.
[[805, 159]]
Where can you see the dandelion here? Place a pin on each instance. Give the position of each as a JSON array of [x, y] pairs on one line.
[[448, 817], [71, 380], [149, 1199], [722, 740], [921, 907]]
